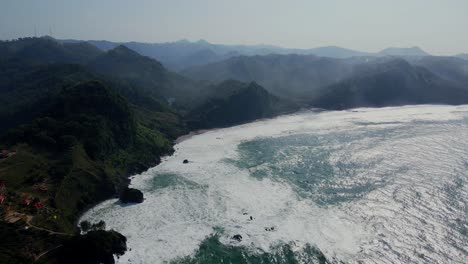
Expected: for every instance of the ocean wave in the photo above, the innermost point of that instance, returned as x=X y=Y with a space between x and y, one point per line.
x=381 y=185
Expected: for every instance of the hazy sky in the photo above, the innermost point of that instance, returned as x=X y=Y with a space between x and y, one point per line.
x=438 y=26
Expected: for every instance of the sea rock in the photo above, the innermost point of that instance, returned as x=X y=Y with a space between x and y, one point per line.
x=237 y=237
x=93 y=247
x=130 y=195
x=185 y=161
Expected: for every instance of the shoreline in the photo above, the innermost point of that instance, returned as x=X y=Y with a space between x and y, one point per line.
x=202 y=131
x=191 y=134
x=130 y=177
x=203 y=143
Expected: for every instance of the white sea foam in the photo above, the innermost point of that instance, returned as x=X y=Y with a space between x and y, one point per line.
x=403 y=221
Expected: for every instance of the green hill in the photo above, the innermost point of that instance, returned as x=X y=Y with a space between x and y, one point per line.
x=234 y=103
x=147 y=75
x=47 y=50
x=388 y=84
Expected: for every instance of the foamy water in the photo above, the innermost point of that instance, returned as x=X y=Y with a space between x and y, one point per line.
x=375 y=185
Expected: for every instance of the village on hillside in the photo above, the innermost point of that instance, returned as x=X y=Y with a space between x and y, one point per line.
x=21 y=205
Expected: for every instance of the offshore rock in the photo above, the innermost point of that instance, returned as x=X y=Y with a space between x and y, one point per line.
x=237 y=238
x=130 y=195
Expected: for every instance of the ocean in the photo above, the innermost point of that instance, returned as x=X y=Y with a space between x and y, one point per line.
x=385 y=185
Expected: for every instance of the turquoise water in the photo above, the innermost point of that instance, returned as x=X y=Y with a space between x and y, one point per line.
x=372 y=186
x=304 y=162
x=213 y=251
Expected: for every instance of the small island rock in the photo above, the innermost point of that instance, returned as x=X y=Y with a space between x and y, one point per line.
x=237 y=237
x=130 y=195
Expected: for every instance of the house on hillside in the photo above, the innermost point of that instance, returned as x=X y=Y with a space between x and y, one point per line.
x=3 y=188
x=27 y=202
x=13 y=217
x=38 y=205
x=5 y=153
x=41 y=187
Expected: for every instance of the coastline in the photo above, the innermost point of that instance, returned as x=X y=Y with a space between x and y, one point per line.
x=157 y=160
x=191 y=134
x=237 y=224
x=202 y=131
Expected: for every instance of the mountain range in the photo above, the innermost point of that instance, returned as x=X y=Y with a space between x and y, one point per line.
x=183 y=54
x=305 y=78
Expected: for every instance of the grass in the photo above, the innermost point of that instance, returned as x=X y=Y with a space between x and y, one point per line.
x=22 y=169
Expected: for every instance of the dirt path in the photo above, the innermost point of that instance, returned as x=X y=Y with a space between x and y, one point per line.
x=47 y=252
x=28 y=223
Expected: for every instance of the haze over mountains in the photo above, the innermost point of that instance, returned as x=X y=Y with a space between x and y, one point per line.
x=300 y=75
x=291 y=74
x=306 y=78
x=183 y=54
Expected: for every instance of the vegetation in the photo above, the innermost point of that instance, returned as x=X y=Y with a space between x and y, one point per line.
x=47 y=50
x=146 y=76
x=86 y=226
x=94 y=247
x=391 y=83
x=85 y=143
x=345 y=83
x=22 y=246
x=77 y=131
x=237 y=103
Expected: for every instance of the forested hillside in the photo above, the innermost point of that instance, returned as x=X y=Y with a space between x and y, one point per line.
x=76 y=122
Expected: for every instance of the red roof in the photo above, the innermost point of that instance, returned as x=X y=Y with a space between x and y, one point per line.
x=39 y=205
x=5 y=152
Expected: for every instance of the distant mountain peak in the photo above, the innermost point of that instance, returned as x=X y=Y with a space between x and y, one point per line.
x=462 y=56
x=124 y=50
x=398 y=51
x=48 y=37
x=336 y=52
x=183 y=41
x=123 y=53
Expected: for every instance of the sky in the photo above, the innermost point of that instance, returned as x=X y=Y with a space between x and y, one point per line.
x=440 y=27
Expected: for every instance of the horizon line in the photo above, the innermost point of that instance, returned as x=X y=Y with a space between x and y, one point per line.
x=202 y=40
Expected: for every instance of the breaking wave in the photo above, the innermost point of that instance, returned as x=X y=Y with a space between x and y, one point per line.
x=374 y=185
